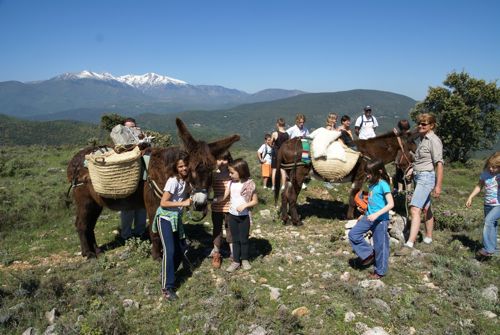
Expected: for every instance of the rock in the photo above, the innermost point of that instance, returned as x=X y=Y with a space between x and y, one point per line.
x=326 y=275
x=51 y=316
x=397 y=227
x=256 y=231
x=345 y=276
x=349 y=316
x=361 y=327
x=301 y=311
x=30 y=331
x=274 y=293
x=489 y=314
x=350 y=224
x=415 y=253
x=51 y=330
x=54 y=170
x=262 y=280
x=128 y=303
x=375 y=284
x=265 y=213
x=376 y=331
x=257 y=330
x=381 y=305
x=490 y=293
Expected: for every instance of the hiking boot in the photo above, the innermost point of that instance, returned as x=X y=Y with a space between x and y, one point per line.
x=246 y=265
x=483 y=254
x=169 y=294
x=233 y=267
x=404 y=251
x=216 y=260
x=374 y=276
x=368 y=260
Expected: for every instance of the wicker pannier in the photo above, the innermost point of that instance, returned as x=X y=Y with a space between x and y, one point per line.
x=115 y=175
x=335 y=169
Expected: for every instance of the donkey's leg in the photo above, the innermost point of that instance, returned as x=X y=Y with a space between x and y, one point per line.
x=87 y=212
x=357 y=183
x=352 y=204
x=151 y=203
x=284 y=203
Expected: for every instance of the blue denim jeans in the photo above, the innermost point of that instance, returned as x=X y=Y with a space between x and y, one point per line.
x=425 y=182
x=135 y=216
x=380 y=242
x=491 y=217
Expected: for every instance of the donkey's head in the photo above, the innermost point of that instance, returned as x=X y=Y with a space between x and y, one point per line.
x=202 y=162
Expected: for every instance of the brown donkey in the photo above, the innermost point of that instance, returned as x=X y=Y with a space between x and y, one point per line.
x=201 y=162
x=387 y=147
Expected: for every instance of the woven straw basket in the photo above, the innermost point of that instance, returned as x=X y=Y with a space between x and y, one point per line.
x=335 y=169
x=115 y=175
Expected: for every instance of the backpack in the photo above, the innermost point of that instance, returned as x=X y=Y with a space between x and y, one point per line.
x=361 y=201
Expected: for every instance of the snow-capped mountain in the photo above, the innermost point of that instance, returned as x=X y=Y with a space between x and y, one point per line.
x=85 y=75
x=139 y=81
x=149 y=79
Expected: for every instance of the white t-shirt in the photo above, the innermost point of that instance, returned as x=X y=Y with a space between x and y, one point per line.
x=296 y=132
x=177 y=188
x=265 y=152
x=366 y=126
x=236 y=199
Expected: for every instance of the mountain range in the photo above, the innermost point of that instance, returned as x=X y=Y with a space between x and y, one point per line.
x=87 y=95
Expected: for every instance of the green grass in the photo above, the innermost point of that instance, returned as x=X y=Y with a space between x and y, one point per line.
x=40 y=269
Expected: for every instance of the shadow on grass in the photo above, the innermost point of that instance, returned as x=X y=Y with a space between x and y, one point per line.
x=324 y=209
x=200 y=245
x=466 y=241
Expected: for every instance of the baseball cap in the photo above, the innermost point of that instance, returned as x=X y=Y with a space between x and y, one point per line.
x=368 y=108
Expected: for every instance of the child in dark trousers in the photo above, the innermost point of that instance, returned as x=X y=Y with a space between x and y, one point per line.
x=241 y=191
x=220 y=209
x=376 y=219
x=168 y=223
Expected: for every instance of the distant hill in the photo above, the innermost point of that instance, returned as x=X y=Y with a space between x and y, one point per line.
x=61 y=96
x=252 y=121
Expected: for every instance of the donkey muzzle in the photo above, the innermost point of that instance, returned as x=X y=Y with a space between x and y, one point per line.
x=199 y=200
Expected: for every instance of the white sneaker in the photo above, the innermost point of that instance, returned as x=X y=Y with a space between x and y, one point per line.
x=283 y=187
x=427 y=240
x=246 y=265
x=233 y=267
x=264 y=187
x=272 y=188
x=304 y=186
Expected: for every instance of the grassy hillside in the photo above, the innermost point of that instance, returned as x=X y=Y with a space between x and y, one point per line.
x=15 y=131
x=441 y=290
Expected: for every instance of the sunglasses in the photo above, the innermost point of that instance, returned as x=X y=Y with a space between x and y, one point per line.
x=423 y=124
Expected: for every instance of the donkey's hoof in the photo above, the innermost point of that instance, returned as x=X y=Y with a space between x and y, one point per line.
x=297 y=224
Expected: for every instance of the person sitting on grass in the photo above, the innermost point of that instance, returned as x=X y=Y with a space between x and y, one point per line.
x=490 y=180
x=376 y=219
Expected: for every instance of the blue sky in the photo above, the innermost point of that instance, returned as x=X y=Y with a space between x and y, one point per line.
x=315 y=46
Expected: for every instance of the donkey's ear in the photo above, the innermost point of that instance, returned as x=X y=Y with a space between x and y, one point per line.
x=185 y=135
x=218 y=147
